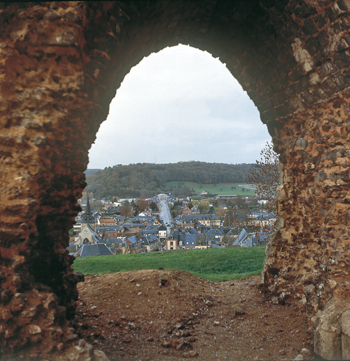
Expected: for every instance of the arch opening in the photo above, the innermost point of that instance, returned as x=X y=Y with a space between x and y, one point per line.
x=179 y=104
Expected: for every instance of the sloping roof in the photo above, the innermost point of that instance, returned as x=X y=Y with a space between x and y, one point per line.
x=175 y=235
x=230 y=232
x=142 y=218
x=135 y=225
x=133 y=239
x=149 y=231
x=106 y=229
x=215 y=232
x=149 y=239
x=193 y=231
x=97 y=238
x=241 y=238
x=72 y=248
x=88 y=250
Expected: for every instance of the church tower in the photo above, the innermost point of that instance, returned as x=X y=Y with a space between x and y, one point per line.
x=88 y=218
x=88 y=233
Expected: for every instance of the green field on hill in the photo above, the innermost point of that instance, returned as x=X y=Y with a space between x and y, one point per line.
x=220 y=188
x=214 y=264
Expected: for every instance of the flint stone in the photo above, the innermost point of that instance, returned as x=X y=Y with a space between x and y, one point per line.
x=321 y=176
x=34 y=329
x=190 y=354
x=274 y=300
x=309 y=290
x=79 y=353
x=299 y=357
x=100 y=356
x=280 y=193
x=302 y=143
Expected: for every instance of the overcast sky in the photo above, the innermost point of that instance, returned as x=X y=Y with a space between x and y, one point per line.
x=180 y=104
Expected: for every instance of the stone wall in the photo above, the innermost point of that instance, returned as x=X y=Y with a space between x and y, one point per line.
x=308 y=257
x=61 y=64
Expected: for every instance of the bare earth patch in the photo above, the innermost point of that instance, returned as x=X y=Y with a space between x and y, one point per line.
x=173 y=315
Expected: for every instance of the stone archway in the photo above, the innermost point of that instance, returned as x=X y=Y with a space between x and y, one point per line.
x=61 y=64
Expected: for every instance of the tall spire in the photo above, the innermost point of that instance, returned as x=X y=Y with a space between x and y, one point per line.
x=88 y=217
x=88 y=210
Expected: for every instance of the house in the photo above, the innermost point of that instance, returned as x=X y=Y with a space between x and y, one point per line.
x=257 y=240
x=150 y=243
x=133 y=244
x=186 y=210
x=107 y=232
x=162 y=232
x=184 y=221
x=195 y=210
x=115 y=244
x=133 y=227
x=242 y=237
x=215 y=235
x=175 y=235
x=190 y=240
x=170 y=244
x=191 y=220
x=132 y=241
x=150 y=229
x=113 y=210
x=142 y=219
x=209 y=220
x=262 y=219
x=110 y=221
x=225 y=196
x=110 y=231
x=120 y=219
x=193 y=231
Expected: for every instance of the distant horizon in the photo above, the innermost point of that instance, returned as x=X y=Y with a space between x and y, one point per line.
x=187 y=161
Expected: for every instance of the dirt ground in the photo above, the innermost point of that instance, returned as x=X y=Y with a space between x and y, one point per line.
x=173 y=315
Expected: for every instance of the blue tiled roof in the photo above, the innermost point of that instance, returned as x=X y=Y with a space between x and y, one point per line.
x=190 y=239
x=133 y=239
x=88 y=250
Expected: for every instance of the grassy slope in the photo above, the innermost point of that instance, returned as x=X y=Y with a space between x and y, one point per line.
x=212 y=264
x=220 y=188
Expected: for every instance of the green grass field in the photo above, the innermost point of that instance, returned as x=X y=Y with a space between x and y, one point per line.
x=220 y=188
x=213 y=264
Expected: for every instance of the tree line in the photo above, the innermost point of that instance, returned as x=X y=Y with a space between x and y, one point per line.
x=147 y=179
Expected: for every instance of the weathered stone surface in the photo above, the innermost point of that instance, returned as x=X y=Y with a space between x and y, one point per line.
x=345 y=337
x=331 y=331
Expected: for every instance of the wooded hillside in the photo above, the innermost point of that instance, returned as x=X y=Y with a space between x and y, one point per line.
x=146 y=179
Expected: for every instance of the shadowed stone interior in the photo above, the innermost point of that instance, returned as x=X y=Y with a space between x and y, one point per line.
x=60 y=66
